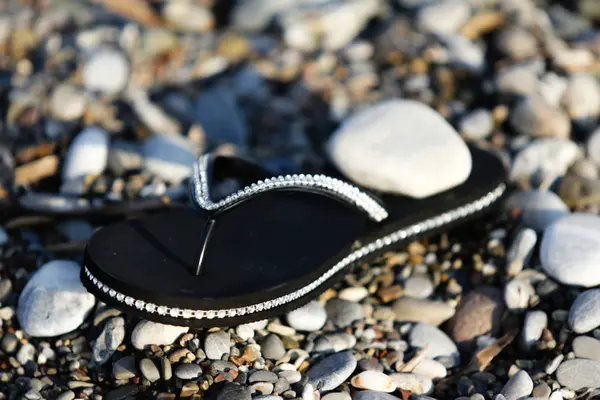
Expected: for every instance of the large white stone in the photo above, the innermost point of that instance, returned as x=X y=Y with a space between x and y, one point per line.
x=87 y=155
x=54 y=301
x=403 y=147
x=570 y=250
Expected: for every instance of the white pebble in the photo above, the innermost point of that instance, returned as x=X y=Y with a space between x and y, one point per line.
x=107 y=71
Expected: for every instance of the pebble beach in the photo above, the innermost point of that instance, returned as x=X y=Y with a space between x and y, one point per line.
x=106 y=104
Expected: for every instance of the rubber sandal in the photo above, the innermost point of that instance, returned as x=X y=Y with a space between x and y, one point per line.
x=268 y=248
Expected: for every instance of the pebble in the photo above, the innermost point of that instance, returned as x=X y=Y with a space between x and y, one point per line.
x=372 y=395
x=153 y=333
x=415 y=383
x=124 y=368
x=337 y=396
x=168 y=157
x=332 y=371
x=68 y=395
x=517 y=42
x=149 y=370
x=546 y=158
x=584 y=314
x=586 y=347
x=478 y=313
x=291 y=376
x=188 y=371
x=468 y=55
x=373 y=380
x=343 y=312
x=477 y=125
x=517 y=387
x=335 y=342
x=110 y=338
x=26 y=353
x=582 y=97
x=443 y=17
x=418 y=286
x=272 y=347
x=9 y=343
x=67 y=102
x=54 y=301
x=384 y=135
x=520 y=251
x=220 y=117
x=309 y=318
x=533 y=327
x=187 y=16
x=579 y=373
x=533 y=116
x=124 y=156
x=593 y=146
x=166 y=370
x=517 y=294
x=353 y=293
x=539 y=209
x=570 y=250
x=263 y=376
x=516 y=80
x=232 y=391
x=431 y=369
x=217 y=344
x=87 y=154
x=431 y=312
x=439 y=343
x=106 y=71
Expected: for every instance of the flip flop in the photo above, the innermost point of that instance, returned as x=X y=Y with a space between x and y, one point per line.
x=268 y=248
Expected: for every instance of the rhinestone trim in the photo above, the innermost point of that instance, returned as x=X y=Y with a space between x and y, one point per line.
x=429 y=224
x=339 y=188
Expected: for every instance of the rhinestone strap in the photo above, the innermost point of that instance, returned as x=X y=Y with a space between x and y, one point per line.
x=402 y=234
x=339 y=188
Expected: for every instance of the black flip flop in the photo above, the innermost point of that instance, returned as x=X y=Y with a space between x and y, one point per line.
x=268 y=248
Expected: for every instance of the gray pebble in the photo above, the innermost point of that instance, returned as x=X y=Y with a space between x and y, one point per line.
x=309 y=318
x=124 y=368
x=520 y=250
x=263 y=376
x=586 y=347
x=149 y=370
x=26 y=353
x=516 y=80
x=166 y=370
x=539 y=208
x=370 y=364
x=5 y=284
x=476 y=125
x=110 y=338
x=188 y=371
x=332 y=371
x=343 y=312
x=291 y=376
x=371 y=395
x=272 y=347
x=519 y=386
x=541 y=390
x=584 y=314
x=9 y=343
x=217 y=344
x=553 y=364
x=579 y=373
x=418 y=286
x=68 y=395
x=516 y=42
x=281 y=385
x=439 y=343
x=533 y=327
x=534 y=117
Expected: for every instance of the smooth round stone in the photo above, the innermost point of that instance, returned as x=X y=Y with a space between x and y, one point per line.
x=582 y=96
x=579 y=373
x=110 y=338
x=87 y=154
x=370 y=364
x=9 y=343
x=124 y=368
x=332 y=371
x=124 y=156
x=335 y=342
x=478 y=313
x=431 y=369
x=106 y=71
x=477 y=125
x=533 y=116
x=586 y=347
x=584 y=314
x=353 y=293
x=372 y=395
x=263 y=376
x=373 y=380
x=547 y=158
x=217 y=344
x=516 y=80
x=187 y=16
x=400 y=135
x=337 y=396
x=418 y=286
x=148 y=333
x=552 y=87
x=570 y=250
x=439 y=343
x=593 y=147
x=415 y=383
x=244 y=331
x=309 y=318
x=54 y=301
x=26 y=353
x=342 y=23
x=517 y=294
x=539 y=209
x=291 y=376
x=188 y=371
x=517 y=42
x=168 y=157
x=431 y=312
x=443 y=17
x=67 y=103
x=533 y=327
x=466 y=54
x=149 y=370
x=343 y=312
x=520 y=251
x=5 y=288
x=518 y=387
x=272 y=347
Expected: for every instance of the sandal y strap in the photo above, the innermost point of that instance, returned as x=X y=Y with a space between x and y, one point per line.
x=219 y=166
